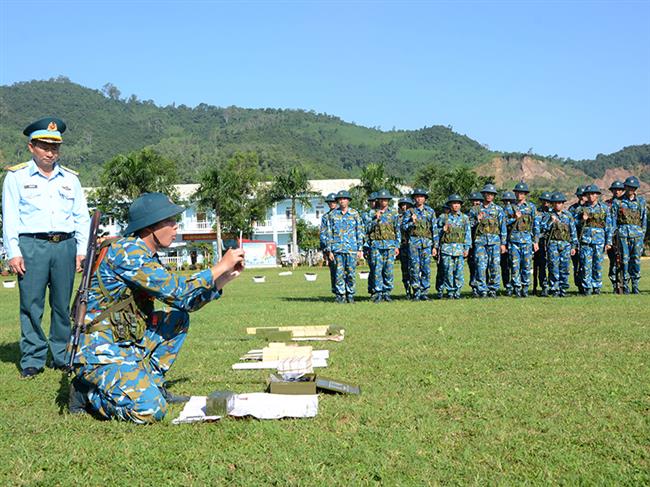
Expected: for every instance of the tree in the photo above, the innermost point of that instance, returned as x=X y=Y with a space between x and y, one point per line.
x=441 y=184
x=293 y=185
x=124 y=178
x=111 y=91
x=232 y=190
x=308 y=235
x=373 y=178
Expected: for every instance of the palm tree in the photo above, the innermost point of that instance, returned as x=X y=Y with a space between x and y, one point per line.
x=294 y=186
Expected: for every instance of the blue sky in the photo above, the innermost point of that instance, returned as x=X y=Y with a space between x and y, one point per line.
x=566 y=78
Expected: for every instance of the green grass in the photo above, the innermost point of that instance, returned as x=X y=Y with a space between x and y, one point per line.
x=465 y=392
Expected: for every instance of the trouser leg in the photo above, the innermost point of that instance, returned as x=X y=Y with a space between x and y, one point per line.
x=414 y=268
x=459 y=273
x=565 y=265
x=163 y=339
x=388 y=270
x=506 y=264
x=553 y=259
x=493 y=267
x=350 y=274
x=62 y=270
x=597 y=266
x=514 y=256
x=481 y=261
x=425 y=270
x=634 y=265
x=586 y=262
x=625 y=259
x=332 y=267
x=339 y=284
x=32 y=286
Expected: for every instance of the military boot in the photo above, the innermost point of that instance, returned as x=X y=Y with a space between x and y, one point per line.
x=78 y=396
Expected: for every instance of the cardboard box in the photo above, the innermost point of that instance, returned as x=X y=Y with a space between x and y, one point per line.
x=311 y=385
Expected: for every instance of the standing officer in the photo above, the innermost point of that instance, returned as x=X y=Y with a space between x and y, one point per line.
x=539 y=259
x=575 y=210
x=419 y=223
x=508 y=199
x=490 y=226
x=384 y=237
x=595 y=237
x=367 y=217
x=128 y=348
x=562 y=244
x=455 y=237
x=631 y=220
x=617 y=188
x=46 y=225
x=403 y=205
x=345 y=245
x=475 y=198
x=330 y=199
x=522 y=241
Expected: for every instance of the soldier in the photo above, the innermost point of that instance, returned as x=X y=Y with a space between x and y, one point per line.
x=127 y=347
x=574 y=209
x=507 y=198
x=562 y=243
x=330 y=199
x=489 y=223
x=367 y=217
x=539 y=259
x=384 y=236
x=522 y=240
x=345 y=245
x=631 y=220
x=403 y=205
x=595 y=236
x=455 y=237
x=419 y=223
x=45 y=233
x=475 y=198
x=618 y=190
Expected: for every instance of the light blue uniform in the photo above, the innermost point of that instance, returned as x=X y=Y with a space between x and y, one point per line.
x=384 y=236
x=630 y=219
x=422 y=239
x=594 y=234
x=562 y=238
x=453 y=244
x=490 y=234
x=520 y=244
x=344 y=239
x=35 y=204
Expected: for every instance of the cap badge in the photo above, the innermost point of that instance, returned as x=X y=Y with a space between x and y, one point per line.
x=52 y=126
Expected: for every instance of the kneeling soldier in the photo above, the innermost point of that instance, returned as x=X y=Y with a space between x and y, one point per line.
x=455 y=239
x=128 y=347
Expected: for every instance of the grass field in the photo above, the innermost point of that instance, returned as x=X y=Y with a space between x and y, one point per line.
x=499 y=391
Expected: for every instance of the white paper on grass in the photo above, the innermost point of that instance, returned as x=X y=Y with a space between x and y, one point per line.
x=259 y=405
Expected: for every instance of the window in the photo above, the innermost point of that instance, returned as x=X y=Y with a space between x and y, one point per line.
x=201 y=216
x=288 y=213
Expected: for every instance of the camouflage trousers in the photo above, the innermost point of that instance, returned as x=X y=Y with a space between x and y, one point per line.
x=632 y=250
x=404 y=264
x=487 y=259
x=128 y=388
x=521 y=264
x=383 y=261
x=346 y=269
x=559 y=262
x=591 y=266
x=452 y=268
x=420 y=269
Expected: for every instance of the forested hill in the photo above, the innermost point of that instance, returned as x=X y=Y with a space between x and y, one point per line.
x=101 y=124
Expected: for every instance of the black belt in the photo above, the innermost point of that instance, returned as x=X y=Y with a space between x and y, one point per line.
x=49 y=236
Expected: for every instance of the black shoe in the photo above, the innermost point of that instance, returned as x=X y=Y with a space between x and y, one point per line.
x=492 y=294
x=423 y=297
x=524 y=293
x=596 y=291
x=339 y=299
x=172 y=398
x=482 y=295
x=351 y=299
x=78 y=397
x=474 y=293
x=455 y=296
x=30 y=372
x=376 y=298
x=509 y=292
x=561 y=294
x=387 y=298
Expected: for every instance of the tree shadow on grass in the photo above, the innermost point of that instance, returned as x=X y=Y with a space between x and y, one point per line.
x=10 y=353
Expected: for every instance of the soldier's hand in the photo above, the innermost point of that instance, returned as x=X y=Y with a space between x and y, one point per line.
x=330 y=255
x=465 y=253
x=17 y=265
x=573 y=252
x=518 y=214
x=414 y=217
x=535 y=247
x=554 y=218
x=396 y=252
x=228 y=268
x=359 y=254
x=80 y=259
x=434 y=252
x=445 y=228
x=480 y=216
x=503 y=249
x=585 y=216
x=607 y=247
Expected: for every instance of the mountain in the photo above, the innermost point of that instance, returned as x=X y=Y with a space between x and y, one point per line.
x=101 y=125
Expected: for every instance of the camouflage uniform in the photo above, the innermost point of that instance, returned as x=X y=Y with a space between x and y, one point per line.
x=595 y=233
x=422 y=238
x=345 y=239
x=490 y=234
x=125 y=354
x=520 y=245
x=384 y=236
x=324 y=229
x=631 y=220
x=453 y=244
x=562 y=238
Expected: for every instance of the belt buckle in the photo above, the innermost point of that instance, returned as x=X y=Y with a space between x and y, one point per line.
x=55 y=238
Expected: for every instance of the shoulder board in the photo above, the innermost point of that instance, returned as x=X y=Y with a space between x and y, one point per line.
x=17 y=167
x=70 y=170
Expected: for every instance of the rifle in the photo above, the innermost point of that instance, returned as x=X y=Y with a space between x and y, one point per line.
x=618 y=252
x=78 y=313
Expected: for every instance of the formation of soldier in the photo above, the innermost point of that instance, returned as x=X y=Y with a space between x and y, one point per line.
x=514 y=245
